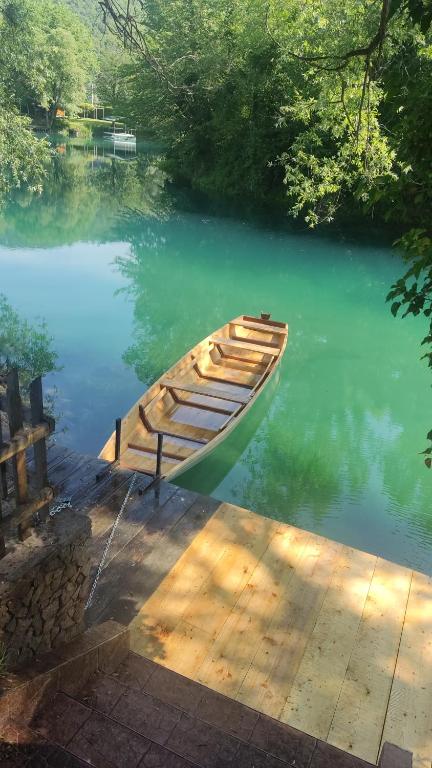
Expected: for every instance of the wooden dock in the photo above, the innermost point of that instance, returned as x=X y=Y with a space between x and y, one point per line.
x=333 y=641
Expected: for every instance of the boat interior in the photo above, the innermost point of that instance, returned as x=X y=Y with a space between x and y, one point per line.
x=201 y=396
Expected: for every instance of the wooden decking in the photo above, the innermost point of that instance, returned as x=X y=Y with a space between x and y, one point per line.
x=333 y=641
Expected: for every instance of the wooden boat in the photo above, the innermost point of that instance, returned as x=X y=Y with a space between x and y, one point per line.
x=199 y=401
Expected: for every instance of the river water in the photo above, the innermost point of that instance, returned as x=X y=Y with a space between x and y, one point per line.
x=128 y=279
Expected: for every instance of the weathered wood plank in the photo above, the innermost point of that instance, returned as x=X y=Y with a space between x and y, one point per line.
x=14 y=411
x=212 y=605
x=201 y=389
x=262 y=327
x=409 y=717
x=270 y=676
x=241 y=345
x=361 y=709
x=317 y=685
x=23 y=439
x=232 y=653
x=40 y=448
x=143 y=561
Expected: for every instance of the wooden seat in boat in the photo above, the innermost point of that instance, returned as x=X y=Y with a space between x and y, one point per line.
x=261 y=327
x=241 y=344
x=199 y=389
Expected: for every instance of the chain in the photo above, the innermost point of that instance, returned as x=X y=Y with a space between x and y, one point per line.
x=63 y=504
x=111 y=536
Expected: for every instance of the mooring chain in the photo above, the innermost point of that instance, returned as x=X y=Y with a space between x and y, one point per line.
x=63 y=504
x=111 y=536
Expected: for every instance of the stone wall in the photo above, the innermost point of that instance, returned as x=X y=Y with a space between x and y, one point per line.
x=44 y=587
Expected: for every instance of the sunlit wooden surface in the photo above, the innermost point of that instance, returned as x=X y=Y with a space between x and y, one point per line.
x=333 y=641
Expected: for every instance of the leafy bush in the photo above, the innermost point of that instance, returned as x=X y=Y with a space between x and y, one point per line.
x=25 y=346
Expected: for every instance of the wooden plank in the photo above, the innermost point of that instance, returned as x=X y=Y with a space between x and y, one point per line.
x=23 y=439
x=240 y=345
x=174 y=595
x=182 y=648
x=262 y=342
x=40 y=448
x=14 y=410
x=160 y=628
x=262 y=327
x=199 y=389
x=269 y=678
x=170 y=450
x=218 y=595
x=3 y=473
x=409 y=716
x=360 y=712
x=144 y=562
x=317 y=685
x=200 y=405
x=232 y=653
x=137 y=461
x=183 y=431
x=264 y=321
x=222 y=375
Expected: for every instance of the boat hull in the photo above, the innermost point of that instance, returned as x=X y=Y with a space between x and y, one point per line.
x=200 y=400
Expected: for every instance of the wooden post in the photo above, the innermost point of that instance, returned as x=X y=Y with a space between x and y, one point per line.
x=3 y=475
x=14 y=410
x=117 y=439
x=159 y=454
x=40 y=449
x=3 y=472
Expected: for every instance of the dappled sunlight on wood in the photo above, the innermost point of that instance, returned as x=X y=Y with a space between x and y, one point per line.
x=299 y=627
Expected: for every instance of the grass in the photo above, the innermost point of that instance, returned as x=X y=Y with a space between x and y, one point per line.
x=86 y=127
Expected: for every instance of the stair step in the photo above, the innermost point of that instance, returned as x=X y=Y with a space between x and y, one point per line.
x=145 y=714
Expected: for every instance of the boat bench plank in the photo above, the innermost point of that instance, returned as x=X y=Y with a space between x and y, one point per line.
x=199 y=389
x=240 y=345
x=259 y=327
x=170 y=450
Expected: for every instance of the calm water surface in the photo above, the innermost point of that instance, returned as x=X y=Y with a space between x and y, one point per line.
x=128 y=282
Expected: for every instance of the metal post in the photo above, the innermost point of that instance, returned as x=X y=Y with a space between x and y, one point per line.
x=117 y=439
x=159 y=454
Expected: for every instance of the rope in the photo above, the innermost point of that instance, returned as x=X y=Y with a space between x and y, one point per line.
x=111 y=536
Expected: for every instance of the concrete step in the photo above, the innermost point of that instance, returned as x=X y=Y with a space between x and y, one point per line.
x=144 y=715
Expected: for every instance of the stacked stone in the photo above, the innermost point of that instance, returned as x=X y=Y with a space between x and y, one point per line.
x=44 y=588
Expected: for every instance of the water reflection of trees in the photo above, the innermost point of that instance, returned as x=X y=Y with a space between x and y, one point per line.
x=327 y=444
x=82 y=196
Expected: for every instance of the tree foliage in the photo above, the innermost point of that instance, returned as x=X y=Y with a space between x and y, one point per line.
x=323 y=105
x=46 y=57
x=24 y=346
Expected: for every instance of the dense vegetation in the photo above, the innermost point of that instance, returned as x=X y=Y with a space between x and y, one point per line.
x=321 y=108
x=324 y=107
x=46 y=56
x=24 y=346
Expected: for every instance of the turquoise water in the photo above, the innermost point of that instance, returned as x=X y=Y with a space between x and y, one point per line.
x=127 y=282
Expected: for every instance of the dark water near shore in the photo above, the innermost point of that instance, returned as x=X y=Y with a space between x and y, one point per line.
x=128 y=282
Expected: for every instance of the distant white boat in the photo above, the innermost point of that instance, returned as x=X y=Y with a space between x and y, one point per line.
x=117 y=136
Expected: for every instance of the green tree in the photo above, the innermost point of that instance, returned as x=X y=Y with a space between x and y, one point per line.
x=47 y=56
x=25 y=346
x=23 y=157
